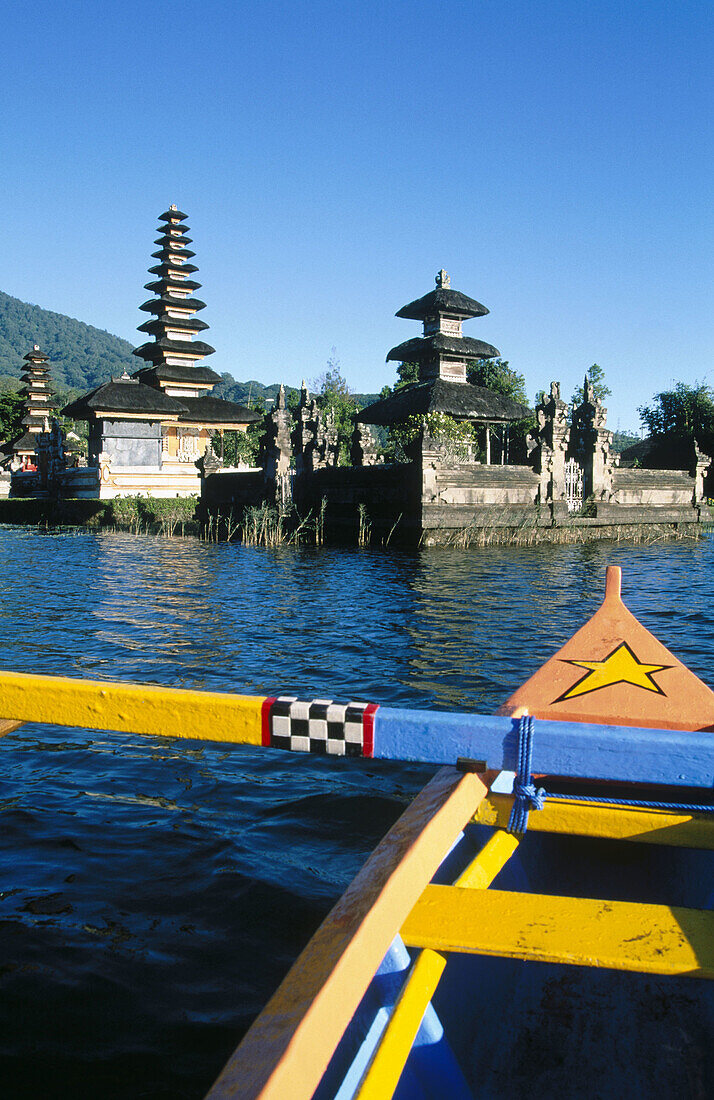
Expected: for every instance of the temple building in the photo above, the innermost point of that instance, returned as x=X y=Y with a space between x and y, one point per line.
x=147 y=431
x=442 y=354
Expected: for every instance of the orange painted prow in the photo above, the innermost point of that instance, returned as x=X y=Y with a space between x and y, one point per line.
x=614 y=671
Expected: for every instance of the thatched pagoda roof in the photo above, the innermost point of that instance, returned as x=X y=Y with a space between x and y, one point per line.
x=162 y=305
x=166 y=268
x=174 y=238
x=442 y=300
x=124 y=395
x=24 y=444
x=457 y=399
x=157 y=326
x=213 y=410
x=170 y=282
x=168 y=215
x=169 y=372
x=155 y=352
x=424 y=347
x=165 y=252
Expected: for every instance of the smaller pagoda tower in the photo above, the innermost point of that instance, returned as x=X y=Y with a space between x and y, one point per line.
x=442 y=355
x=443 y=351
x=38 y=405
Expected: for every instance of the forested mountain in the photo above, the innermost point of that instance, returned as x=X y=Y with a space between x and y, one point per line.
x=81 y=356
x=251 y=393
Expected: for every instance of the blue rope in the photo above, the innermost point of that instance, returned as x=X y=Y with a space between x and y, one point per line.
x=526 y=796
x=684 y=807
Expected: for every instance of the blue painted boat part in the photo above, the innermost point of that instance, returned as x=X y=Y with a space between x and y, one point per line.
x=618 y=753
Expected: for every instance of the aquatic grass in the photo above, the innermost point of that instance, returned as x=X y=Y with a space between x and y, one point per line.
x=364 y=534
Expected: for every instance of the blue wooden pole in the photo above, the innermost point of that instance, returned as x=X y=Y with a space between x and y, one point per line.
x=619 y=753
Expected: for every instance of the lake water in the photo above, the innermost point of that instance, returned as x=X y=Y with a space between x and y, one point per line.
x=153 y=893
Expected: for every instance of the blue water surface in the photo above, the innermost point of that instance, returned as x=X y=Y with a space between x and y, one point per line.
x=154 y=892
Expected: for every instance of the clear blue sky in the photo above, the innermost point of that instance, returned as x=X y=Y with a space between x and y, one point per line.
x=555 y=158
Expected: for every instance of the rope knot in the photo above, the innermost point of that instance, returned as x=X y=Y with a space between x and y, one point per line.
x=528 y=792
x=526 y=796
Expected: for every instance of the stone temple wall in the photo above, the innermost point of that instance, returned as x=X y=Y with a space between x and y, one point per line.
x=468 y=494
x=572 y=479
x=385 y=496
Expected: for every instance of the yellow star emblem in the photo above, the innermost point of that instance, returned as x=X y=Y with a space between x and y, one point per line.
x=619 y=667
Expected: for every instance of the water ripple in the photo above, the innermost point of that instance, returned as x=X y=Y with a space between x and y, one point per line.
x=153 y=893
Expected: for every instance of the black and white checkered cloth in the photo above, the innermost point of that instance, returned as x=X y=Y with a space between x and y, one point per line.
x=320 y=726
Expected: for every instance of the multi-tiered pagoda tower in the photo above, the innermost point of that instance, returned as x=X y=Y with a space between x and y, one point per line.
x=38 y=404
x=173 y=353
x=173 y=356
x=146 y=432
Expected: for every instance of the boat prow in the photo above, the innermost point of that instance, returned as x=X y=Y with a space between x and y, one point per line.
x=614 y=671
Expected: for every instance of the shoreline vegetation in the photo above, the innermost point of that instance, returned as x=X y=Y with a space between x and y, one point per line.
x=264 y=525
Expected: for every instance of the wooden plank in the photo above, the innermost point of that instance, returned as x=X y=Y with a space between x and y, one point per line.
x=617 y=753
x=622 y=754
x=653 y=939
x=494 y=855
x=385 y=1069
x=628 y=754
x=286 y=1051
x=644 y=826
x=131 y=708
x=8 y=727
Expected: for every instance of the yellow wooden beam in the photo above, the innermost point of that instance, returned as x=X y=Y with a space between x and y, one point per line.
x=385 y=1069
x=654 y=939
x=482 y=870
x=131 y=708
x=646 y=826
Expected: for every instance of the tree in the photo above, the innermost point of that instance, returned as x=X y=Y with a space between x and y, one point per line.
x=407 y=375
x=674 y=420
x=242 y=446
x=497 y=375
x=336 y=402
x=596 y=377
x=621 y=440
x=12 y=408
x=685 y=410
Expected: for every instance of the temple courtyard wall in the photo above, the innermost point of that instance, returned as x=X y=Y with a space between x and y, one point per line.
x=464 y=503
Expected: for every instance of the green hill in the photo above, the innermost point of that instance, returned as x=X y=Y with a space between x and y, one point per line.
x=81 y=356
